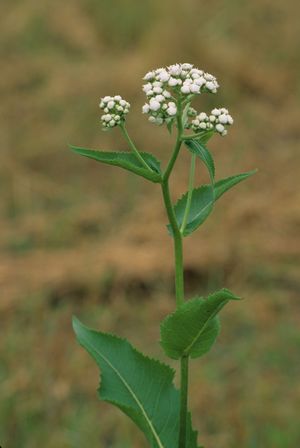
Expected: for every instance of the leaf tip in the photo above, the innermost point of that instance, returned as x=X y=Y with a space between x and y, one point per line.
x=76 y=325
x=72 y=148
x=230 y=295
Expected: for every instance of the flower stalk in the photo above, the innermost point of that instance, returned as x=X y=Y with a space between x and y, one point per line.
x=133 y=147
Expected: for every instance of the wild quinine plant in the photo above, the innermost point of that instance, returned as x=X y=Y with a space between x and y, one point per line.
x=140 y=386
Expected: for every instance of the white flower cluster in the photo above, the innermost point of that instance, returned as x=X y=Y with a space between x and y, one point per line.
x=217 y=120
x=115 y=109
x=165 y=84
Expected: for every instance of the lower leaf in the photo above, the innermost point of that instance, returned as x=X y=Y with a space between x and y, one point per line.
x=141 y=387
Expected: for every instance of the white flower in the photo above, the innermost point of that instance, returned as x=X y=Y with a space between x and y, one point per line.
x=200 y=81
x=154 y=105
x=166 y=94
x=223 y=118
x=174 y=70
x=185 y=88
x=148 y=76
x=172 y=111
x=160 y=98
x=115 y=109
x=147 y=87
x=195 y=88
x=202 y=116
x=210 y=85
x=220 y=128
x=146 y=108
x=217 y=120
x=164 y=76
x=187 y=66
x=172 y=82
x=216 y=112
x=175 y=81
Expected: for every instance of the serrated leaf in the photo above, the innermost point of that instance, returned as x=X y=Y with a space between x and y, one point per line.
x=141 y=387
x=126 y=160
x=201 y=206
x=224 y=185
x=192 y=329
x=197 y=147
x=203 y=201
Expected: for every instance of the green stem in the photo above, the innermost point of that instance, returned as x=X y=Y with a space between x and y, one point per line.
x=177 y=237
x=190 y=194
x=179 y=278
x=177 y=144
x=184 y=381
x=133 y=147
x=192 y=136
x=197 y=135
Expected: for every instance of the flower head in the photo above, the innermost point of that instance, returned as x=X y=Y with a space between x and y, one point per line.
x=165 y=85
x=217 y=121
x=115 y=109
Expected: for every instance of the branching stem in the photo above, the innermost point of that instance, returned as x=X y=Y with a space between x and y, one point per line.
x=133 y=148
x=190 y=194
x=179 y=278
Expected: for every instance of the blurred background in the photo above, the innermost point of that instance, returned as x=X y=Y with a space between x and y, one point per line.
x=81 y=238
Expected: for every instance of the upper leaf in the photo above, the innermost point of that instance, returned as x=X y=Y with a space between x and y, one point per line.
x=197 y=147
x=225 y=184
x=203 y=201
x=126 y=160
x=201 y=206
x=141 y=387
x=192 y=329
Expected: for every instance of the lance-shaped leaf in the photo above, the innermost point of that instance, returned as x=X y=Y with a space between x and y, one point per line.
x=127 y=160
x=201 y=206
x=193 y=328
x=224 y=185
x=141 y=387
x=197 y=147
x=203 y=201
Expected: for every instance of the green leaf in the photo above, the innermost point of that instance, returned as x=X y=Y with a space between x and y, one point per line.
x=126 y=160
x=197 y=147
x=193 y=328
x=225 y=184
x=203 y=201
x=201 y=206
x=207 y=135
x=170 y=123
x=141 y=387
